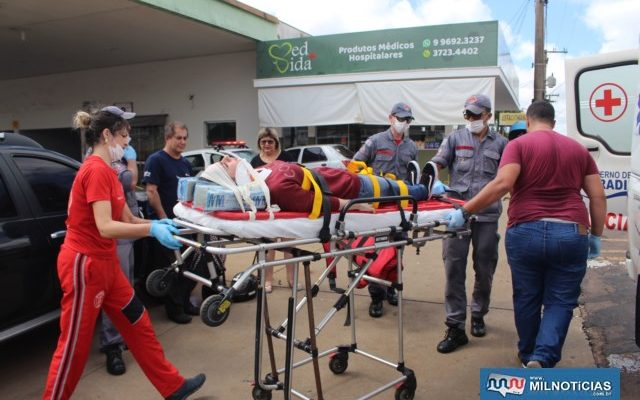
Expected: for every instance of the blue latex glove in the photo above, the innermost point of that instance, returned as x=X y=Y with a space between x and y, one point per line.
x=594 y=246
x=439 y=188
x=164 y=233
x=167 y=221
x=130 y=153
x=455 y=219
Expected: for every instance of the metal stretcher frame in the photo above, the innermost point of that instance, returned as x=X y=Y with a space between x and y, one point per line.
x=215 y=309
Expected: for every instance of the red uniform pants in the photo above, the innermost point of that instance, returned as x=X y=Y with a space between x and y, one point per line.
x=90 y=284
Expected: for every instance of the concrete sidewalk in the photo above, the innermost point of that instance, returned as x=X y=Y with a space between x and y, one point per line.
x=226 y=353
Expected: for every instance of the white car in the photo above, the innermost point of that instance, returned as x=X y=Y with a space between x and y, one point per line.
x=321 y=155
x=202 y=158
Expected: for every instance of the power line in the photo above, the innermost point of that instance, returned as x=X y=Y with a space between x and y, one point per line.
x=520 y=16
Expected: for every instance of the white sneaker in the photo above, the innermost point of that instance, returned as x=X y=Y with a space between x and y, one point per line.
x=413 y=172
x=429 y=176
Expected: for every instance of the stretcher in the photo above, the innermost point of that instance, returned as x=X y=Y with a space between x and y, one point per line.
x=390 y=227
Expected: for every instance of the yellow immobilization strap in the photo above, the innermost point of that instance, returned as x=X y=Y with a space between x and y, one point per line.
x=404 y=191
x=307 y=182
x=376 y=189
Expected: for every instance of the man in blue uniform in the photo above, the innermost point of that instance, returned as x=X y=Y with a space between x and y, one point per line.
x=472 y=155
x=389 y=152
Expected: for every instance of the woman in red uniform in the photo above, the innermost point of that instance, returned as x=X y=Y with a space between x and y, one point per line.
x=90 y=273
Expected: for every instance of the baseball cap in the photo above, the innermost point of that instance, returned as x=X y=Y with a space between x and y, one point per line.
x=119 y=112
x=477 y=104
x=519 y=126
x=402 y=110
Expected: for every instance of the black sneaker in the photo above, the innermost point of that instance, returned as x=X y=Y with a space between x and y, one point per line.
x=523 y=361
x=189 y=387
x=478 y=329
x=413 y=172
x=429 y=176
x=190 y=309
x=453 y=339
x=375 y=309
x=115 y=363
x=176 y=313
x=392 y=296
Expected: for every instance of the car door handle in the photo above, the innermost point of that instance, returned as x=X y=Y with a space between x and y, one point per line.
x=593 y=149
x=58 y=234
x=16 y=244
x=323 y=164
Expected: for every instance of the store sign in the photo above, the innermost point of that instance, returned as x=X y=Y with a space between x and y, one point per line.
x=510 y=118
x=441 y=46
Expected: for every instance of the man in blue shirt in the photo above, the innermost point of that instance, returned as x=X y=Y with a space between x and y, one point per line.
x=161 y=172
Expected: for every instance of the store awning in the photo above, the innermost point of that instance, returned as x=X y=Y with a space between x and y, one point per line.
x=434 y=102
x=436 y=96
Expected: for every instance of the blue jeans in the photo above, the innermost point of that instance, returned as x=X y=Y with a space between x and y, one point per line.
x=389 y=187
x=548 y=261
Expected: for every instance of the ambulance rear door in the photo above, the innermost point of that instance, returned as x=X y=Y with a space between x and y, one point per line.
x=600 y=110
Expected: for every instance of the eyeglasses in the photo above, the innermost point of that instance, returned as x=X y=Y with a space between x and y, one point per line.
x=468 y=115
x=122 y=132
x=404 y=119
x=267 y=141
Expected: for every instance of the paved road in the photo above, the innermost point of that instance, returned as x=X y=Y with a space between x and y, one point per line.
x=603 y=324
x=608 y=306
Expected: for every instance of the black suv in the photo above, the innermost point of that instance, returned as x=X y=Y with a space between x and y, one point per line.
x=34 y=190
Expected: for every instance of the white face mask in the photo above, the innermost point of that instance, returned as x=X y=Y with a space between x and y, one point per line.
x=401 y=127
x=475 y=127
x=116 y=152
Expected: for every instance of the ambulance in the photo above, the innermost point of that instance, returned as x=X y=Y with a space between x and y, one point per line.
x=602 y=112
x=633 y=264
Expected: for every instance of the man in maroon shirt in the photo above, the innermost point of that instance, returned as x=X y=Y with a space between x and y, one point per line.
x=548 y=239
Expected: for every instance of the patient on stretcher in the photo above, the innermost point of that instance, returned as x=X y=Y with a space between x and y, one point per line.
x=295 y=188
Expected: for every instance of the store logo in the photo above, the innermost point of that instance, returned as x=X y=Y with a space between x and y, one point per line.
x=504 y=384
x=287 y=57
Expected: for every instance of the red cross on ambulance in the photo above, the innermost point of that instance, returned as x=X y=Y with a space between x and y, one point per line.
x=608 y=102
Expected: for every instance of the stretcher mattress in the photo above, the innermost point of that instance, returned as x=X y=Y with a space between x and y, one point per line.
x=297 y=225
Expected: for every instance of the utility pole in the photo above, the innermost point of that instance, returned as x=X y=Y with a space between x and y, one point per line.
x=540 y=56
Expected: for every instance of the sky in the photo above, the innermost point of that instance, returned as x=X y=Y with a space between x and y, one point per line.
x=581 y=27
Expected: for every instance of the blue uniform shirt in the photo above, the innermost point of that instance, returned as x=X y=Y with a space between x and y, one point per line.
x=472 y=164
x=381 y=153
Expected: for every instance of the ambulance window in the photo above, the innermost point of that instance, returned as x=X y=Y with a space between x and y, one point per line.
x=605 y=107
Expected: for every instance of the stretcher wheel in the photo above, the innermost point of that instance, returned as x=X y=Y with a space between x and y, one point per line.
x=159 y=283
x=210 y=310
x=404 y=393
x=259 y=393
x=339 y=363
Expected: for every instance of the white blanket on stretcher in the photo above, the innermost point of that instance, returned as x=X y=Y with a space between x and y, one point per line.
x=303 y=227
